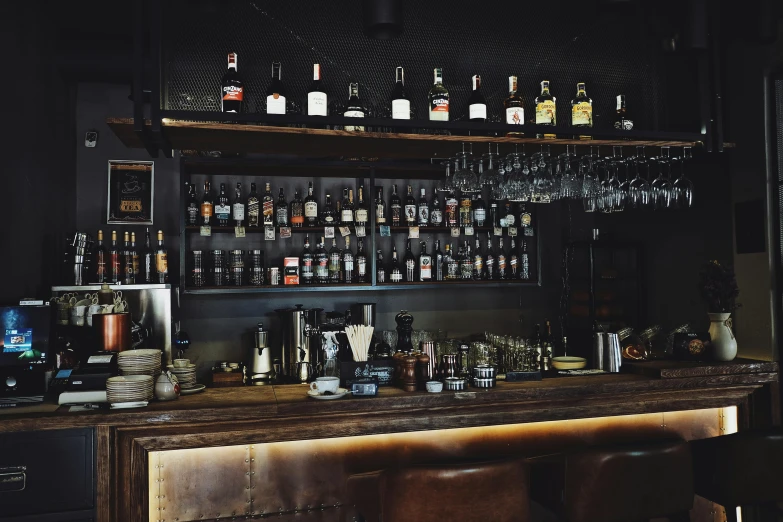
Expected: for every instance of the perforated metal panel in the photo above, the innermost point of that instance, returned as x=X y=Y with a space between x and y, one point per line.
x=561 y=41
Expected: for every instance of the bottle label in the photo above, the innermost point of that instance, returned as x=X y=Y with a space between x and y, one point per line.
x=282 y=216
x=275 y=104
x=379 y=215
x=452 y=270
x=478 y=111
x=410 y=268
x=619 y=103
x=361 y=265
x=316 y=104
x=582 y=114
x=396 y=276
x=193 y=211
x=525 y=219
x=396 y=213
x=436 y=216
x=451 y=211
x=252 y=212
x=239 y=211
x=311 y=209
x=510 y=220
x=623 y=124
x=361 y=215
x=425 y=267
x=478 y=264
x=222 y=211
x=515 y=115
x=401 y=109
x=424 y=215
x=328 y=218
x=297 y=219
x=466 y=270
x=232 y=93
x=347 y=216
x=354 y=114
x=269 y=210
x=439 y=109
x=206 y=209
x=480 y=214
x=161 y=263
x=410 y=213
x=546 y=113
x=348 y=265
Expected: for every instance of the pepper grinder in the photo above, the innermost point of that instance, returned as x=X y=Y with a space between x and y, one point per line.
x=409 y=373
x=422 y=370
x=404 y=330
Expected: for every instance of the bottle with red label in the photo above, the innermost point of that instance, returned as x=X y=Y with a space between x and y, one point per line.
x=233 y=87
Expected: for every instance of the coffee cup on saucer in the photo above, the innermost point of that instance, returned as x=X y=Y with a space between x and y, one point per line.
x=181 y=363
x=325 y=384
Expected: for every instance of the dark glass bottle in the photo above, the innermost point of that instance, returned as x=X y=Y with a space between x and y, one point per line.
x=478 y=263
x=361 y=263
x=524 y=261
x=489 y=260
x=425 y=264
x=436 y=212
x=101 y=257
x=380 y=268
x=437 y=262
x=222 y=207
x=321 y=264
x=296 y=211
x=410 y=264
x=327 y=212
x=502 y=269
x=622 y=121
x=148 y=267
x=347 y=260
x=395 y=205
x=477 y=105
x=311 y=207
x=127 y=261
x=268 y=206
x=306 y=263
x=317 y=100
x=424 y=209
x=452 y=209
x=346 y=212
x=410 y=208
x=335 y=266
x=479 y=211
x=494 y=213
x=513 y=261
x=400 y=103
x=380 y=208
x=395 y=273
x=233 y=87
x=192 y=209
x=354 y=108
x=275 y=93
x=161 y=261
x=361 y=214
x=238 y=209
x=134 y=258
x=281 y=210
x=207 y=205
x=253 y=207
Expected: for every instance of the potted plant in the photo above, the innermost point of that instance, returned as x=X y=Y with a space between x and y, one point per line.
x=718 y=286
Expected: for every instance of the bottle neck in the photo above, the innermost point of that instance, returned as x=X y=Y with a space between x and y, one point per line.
x=316 y=72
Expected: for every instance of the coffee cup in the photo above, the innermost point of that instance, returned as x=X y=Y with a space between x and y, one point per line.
x=325 y=384
x=181 y=363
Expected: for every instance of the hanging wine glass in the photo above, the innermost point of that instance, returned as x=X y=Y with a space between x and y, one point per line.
x=544 y=188
x=661 y=187
x=639 y=190
x=591 y=188
x=465 y=179
x=682 y=189
x=446 y=184
x=491 y=177
x=625 y=186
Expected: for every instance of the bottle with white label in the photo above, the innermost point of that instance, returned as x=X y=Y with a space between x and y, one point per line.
x=238 y=207
x=400 y=103
x=477 y=105
x=311 y=207
x=222 y=208
x=354 y=108
x=317 y=100
x=514 y=104
x=361 y=213
x=439 y=98
x=424 y=209
x=425 y=264
x=275 y=93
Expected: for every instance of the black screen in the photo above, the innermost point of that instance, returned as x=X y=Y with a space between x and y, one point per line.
x=24 y=335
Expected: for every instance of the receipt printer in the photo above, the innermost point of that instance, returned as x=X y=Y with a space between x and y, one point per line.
x=93 y=372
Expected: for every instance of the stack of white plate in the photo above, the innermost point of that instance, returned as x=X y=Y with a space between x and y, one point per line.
x=139 y=362
x=185 y=375
x=129 y=388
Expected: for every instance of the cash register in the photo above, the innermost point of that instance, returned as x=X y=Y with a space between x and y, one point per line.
x=24 y=354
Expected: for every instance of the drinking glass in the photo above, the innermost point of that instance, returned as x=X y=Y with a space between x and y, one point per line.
x=491 y=177
x=465 y=178
x=682 y=188
x=625 y=186
x=516 y=187
x=446 y=184
x=661 y=187
x=639 y=192
x=591 y=188
x=544 y=187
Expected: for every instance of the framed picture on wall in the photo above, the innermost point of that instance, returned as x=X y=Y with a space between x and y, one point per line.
x=131 y=192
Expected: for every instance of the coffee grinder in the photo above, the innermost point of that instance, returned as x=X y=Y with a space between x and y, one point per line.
x=260 y=362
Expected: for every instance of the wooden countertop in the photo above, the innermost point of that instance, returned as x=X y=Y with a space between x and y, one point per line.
x=647 y=387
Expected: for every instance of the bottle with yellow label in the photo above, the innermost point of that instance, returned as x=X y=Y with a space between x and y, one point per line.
x=581 y=108
x=546 y=110
x=161 y=260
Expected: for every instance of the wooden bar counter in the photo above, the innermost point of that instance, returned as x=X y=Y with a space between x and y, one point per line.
x=253 y=451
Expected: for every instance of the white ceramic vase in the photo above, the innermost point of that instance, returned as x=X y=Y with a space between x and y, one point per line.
x=724 y=344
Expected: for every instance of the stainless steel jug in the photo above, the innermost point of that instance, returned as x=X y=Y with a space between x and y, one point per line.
x=301 y=347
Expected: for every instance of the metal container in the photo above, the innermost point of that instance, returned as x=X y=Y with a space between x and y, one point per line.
x=599 y=349
x=454 y=383
x=363 y=314
x=260 y=362
x=484 y=371
x=484 y=383
x=613 y=355
x=114 y=331
x=301 y=345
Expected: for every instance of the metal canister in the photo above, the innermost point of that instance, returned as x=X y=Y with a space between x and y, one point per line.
x=219 y=274
x=613 y=356
x=237 y=267
x=197 y=268
x=599 y=349
x=274 y=276
x=256 y=267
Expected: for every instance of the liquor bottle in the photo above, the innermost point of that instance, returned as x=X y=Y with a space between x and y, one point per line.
x=508 y=212
x=452 y=212
x=253 y=207
x=465 y=210
x=161 y=261
x=296 y=211
x=335 y=266
x=148 y=263
x=361 y=215
x=395 y=204
x=513 y=262
x=400 y=103
x=410 y=208
x=134 y=258
x=525 y=219
x=127 y=261
x=621 y=119
x=424 y=209
x=233 y=87
x=192 y=209
x=281 y=210
x=410 y=264
x=101 y=257
x=524 y=261
x=380 y=268
x=348 y=262
x=494 y=213
x=450 y=266
x=465 y=262
x=546 y=110
x=346 y=214
x=317 y=100
x=436 y=214
x=547 y=343
x=536 y=342
x=489 y=260
x=311 y=207
x=395 y=275
x=222 y=207
x=275 y=93
x=437 y=262
x=354 y=108
x=380 y=208
x=425 y=264
x=479 y=211
x=478 y=262
x=306 y=263
x=268 y=206
x=502 y=270
x=361 y=263
x=477 y=105
x=327 y=212
x=115 y=261
x=321 y=264
x=238 y=207
x=514 y=105
x=581 y=108
x=207 y=207
x=439 y=98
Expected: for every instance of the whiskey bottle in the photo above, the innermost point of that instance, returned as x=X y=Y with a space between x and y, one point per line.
x=536 y=342
x=510 y=219
x=477 y=104
x=222 y=207
x=524 y=261
x=581 y=108
x=361 y=262
x=233 y=87
x=238 y=207
x=253 y=207
x=494 y=213
x=438 y=262
x=465 y=262
x=115 y=261
x=268 y=206
x=316 y=95
x=525 y=220
x=424 y=209
x=148 y=267
x=489 y=260
x=281 y=210
x=514 y=105
x=328 y=214
x=400 y=103
x=436 y=214
x=546 y=110
x=321 y=263
x=547 y=343
x=380 y=208
x=395 y=204
x=335 y=266
x=275 y=93
x=451 y=266
x=395 y=275
x=192 y=209
x=311 y=207
x=621 y=120
x=478 y=262
x=502 y=270
x=127 y=261
x=296 y=211
x=513 y=261
x=306 y=263
x=354 y=108
x=452 y=209
x=161 y=261
x=410 y=264
x=380 y=268
x=479 y=211
x=410 y=208
x=439 y=98
x=348 y=262
x=134 y=258
x=207 y=207
x=465 y=210
x=346 y=214
x=361 y=214
x=425 y=264
x=101 y=257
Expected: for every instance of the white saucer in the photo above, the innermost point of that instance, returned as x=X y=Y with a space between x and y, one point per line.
x=341 y=392
x=124 y=405
x=190 y=391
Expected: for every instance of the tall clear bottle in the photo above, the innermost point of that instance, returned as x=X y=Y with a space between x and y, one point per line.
x=335 y=266
x=348 y=268
x=395 y=273
x=439 y=98
x=524 y=261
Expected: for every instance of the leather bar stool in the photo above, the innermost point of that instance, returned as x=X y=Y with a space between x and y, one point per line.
x=618 y=483
x=742 y=469
x=465 y=492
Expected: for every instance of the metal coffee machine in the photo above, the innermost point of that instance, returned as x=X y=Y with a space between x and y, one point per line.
x=260 y=362
x=301 y=356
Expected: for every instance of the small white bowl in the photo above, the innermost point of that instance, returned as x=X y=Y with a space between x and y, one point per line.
x=434 y=386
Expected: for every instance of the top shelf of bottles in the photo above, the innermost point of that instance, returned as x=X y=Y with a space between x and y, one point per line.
x=287 y=134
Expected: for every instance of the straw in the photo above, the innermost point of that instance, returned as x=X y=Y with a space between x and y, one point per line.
x=359 y=337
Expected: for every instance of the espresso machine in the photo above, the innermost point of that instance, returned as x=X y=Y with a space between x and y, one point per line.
x=301 y=355
x=260 y=363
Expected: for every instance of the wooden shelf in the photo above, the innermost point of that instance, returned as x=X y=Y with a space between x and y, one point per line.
x=245 y=138
x=356 y=287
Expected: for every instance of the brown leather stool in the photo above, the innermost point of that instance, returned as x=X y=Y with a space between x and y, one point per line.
x=465 y=492
x=742 y=469
x=620 y=483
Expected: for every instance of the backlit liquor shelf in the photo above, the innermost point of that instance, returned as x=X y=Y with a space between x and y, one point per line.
x=356 y=287
x=320 y=229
